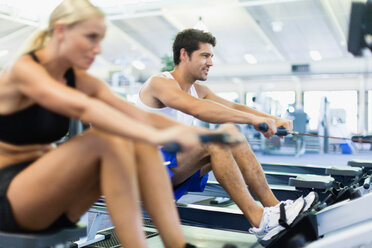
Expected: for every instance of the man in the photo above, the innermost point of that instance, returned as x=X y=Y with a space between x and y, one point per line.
x=178 y=95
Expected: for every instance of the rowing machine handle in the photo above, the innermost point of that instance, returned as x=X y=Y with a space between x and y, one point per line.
x=362 y=138
x=222 y=138
x=279 y=131
x=367 y=183
x=172 y=147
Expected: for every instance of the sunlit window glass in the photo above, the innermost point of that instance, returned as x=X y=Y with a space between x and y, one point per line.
x=343 y=107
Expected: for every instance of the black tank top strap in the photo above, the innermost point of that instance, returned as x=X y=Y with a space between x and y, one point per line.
x=33 y=55
x=70 y=77
x=42 y=126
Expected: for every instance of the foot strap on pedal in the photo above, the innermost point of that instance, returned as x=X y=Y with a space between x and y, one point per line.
x=283 y=217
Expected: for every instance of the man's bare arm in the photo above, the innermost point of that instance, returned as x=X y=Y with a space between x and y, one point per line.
x=170 y=94
x=101 y=90
x=208 y=94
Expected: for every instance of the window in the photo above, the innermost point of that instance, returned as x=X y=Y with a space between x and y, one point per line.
x=249 y=99
x=343 y=107
x=277 y=102
x=370 y=111
x=230 y=96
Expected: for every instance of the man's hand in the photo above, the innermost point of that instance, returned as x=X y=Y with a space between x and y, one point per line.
x=271 y=124
x=287 y=124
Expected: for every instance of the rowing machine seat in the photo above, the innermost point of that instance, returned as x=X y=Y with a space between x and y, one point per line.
x=42 y=240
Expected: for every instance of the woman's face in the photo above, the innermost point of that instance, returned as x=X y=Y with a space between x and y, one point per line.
x=82 y=42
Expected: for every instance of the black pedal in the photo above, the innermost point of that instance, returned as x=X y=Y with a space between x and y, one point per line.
x=229 y=246
x=190 y=246
x=347 y=193
x=302 y=230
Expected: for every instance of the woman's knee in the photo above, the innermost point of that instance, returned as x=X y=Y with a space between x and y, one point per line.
x=102 y=142
x=141 y=148
x=145 y=152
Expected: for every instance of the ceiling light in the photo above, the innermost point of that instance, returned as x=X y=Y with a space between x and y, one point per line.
x=315 y=55
x=200 y=25
x=277 y=26
x=138 y=65
x=250 y=58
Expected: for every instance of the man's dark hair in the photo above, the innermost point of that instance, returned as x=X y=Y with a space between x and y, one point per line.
x=190 y=39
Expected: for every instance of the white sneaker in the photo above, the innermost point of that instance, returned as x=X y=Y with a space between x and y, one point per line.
x=309 y=200
x=269 y=225
x=286 y=202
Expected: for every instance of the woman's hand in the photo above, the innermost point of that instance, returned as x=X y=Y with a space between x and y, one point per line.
x=235 y=136
x=185 y=136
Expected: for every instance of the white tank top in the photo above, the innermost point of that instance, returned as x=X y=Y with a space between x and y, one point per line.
x=170 y=112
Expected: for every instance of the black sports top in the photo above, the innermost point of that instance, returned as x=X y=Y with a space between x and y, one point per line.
x=35 y=124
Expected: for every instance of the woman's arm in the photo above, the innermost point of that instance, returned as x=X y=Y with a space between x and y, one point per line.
x=99 y=89
x=33 y=81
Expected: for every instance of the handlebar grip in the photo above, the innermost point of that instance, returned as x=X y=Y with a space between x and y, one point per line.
x=367 y=183
x=215 y=138
x=172 y=147
x=280 y=131
x=263 y=127
x=362 y=138
x=222 y=138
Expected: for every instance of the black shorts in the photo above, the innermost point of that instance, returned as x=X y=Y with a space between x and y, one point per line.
x=7 y=221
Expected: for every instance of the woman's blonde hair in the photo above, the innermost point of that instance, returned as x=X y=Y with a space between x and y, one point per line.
x=68 y=12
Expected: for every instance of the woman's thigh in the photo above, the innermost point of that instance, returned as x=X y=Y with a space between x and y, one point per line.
x=49 y=186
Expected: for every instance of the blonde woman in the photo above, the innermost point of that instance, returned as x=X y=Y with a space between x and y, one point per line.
x=45 y=187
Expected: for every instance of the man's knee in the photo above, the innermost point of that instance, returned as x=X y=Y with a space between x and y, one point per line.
x=195 y=154
x=244 y=146
x=214 y=148
x=219 y=149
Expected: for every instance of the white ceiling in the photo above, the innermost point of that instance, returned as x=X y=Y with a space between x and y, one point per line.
x=277 y=33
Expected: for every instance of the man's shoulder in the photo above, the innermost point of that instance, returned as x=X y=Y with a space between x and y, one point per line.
x=201 y=89
x=200 y=86
x=160 y=78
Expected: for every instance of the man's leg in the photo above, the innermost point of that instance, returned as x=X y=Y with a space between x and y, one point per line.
x=253 y=174
x=265 y=221
x=188 y=163
x=226 y=172
x=255 y=178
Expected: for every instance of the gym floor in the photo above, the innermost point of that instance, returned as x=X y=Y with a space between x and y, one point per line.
x=330 y=159
x=210 y=238
x=203 y=237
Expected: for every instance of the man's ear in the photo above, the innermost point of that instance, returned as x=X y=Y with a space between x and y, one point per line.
x=183 y=54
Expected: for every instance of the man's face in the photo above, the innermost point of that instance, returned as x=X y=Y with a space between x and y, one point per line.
x=200 y=61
